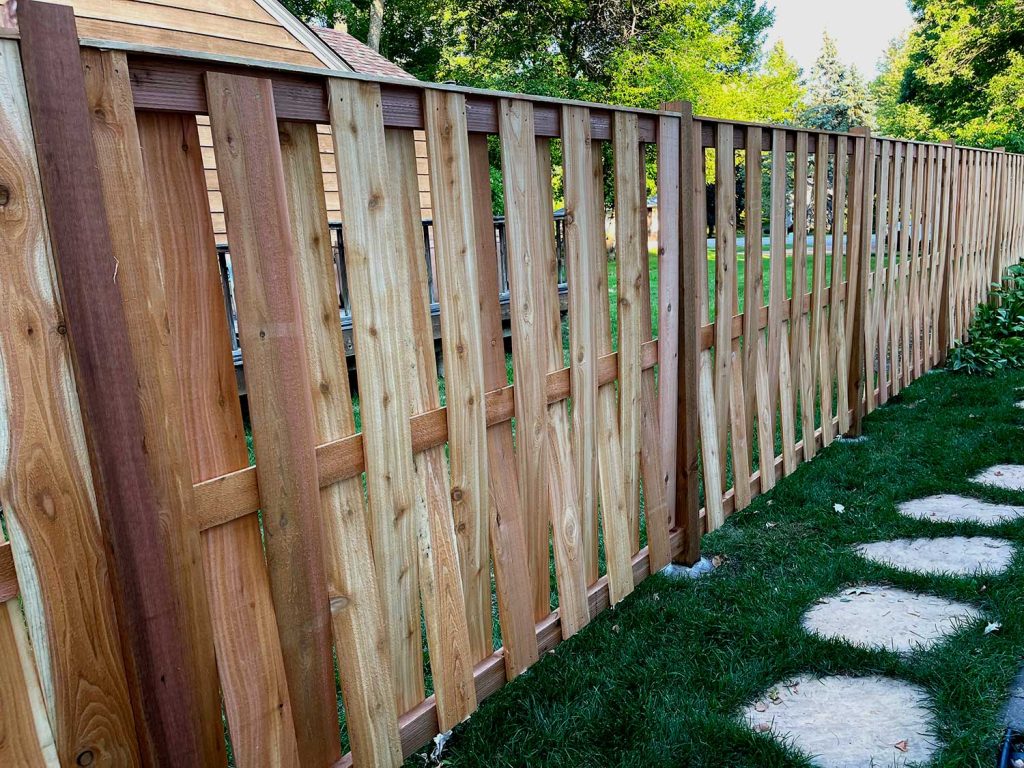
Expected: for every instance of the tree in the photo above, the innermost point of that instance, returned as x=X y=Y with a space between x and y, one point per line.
x=893 y=116
x=837 y=96
x=959 y=73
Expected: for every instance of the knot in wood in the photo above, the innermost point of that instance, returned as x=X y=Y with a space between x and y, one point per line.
x=456 y=494
x=84 y=758
x=5 y=195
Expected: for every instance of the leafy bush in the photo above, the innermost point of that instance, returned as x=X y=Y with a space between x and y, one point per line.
x=996 y=337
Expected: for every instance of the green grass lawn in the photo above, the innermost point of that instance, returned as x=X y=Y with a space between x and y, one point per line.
x=658 y=680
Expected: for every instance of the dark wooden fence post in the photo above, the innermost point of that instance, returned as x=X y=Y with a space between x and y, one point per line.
x=150 y=626
x=693 y=256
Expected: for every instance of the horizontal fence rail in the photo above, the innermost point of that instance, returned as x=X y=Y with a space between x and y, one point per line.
x=353 y=561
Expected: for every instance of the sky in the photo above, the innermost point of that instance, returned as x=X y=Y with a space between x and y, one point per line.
x=862 y=29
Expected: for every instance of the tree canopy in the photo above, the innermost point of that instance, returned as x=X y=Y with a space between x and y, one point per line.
x=959 y=74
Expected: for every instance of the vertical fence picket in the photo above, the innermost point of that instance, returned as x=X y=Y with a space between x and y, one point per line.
x=462 y=339
x=839 y=289
x=820 y=372
x=506 y=518
x=753 y=281
x=590 y=326
x=800 y=344
x=357 y=619
x=725 y=282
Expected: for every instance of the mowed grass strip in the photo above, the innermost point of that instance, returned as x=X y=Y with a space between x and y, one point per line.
x=659 y=680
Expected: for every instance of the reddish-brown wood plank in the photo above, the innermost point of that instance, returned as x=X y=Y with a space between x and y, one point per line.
x=129 y=506
x=263 y=264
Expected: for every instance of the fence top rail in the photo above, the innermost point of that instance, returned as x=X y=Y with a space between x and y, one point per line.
x=323 y=73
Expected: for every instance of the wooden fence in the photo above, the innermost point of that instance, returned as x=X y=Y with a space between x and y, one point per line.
x=380 y=570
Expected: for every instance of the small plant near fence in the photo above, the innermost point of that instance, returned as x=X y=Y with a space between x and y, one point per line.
x=996 y=338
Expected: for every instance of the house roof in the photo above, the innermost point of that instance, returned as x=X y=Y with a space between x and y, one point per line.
x=360 y=57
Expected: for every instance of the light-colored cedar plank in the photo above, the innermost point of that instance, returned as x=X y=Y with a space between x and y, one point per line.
x=404 y=495
x=669 y=270
x=740 y=448
x=800 y=344
x=859 y=271
x=753 y=273
x=765 y=437
x=357 y=618
x=657 y=512
x=614 y=519
x=462 y=339
x=188 y=41
x=787 y=410
x=440 y=578
x=821 y=370
x=529 y=339
x=891 y=321
x=583 y=321
x=270 y=329
x=709 y=446
x=566 y=538
x=631 y=260
x=916 y=259
x=45 y=478
x=233 y=494
x=129 y=213
x=26 y=738
x=249 y=657
x=506 y=517
x=855 y=228
x=837 y=340
x=8 y=576
x=725 y=280
x=776 y=270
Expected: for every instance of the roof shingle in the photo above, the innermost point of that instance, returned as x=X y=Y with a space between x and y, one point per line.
x=359 y=56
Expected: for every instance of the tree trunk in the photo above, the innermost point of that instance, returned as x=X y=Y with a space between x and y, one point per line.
x=376 y=23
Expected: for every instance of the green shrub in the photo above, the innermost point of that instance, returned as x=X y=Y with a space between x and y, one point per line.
x=996 y=337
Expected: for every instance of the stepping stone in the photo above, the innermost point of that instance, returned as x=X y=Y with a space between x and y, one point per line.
x=875 y=616
x=948 y=508
x=1008 y=476
x=849 y=722
x=955 y=555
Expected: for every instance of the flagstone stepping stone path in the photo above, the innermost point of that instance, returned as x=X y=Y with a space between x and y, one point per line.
x=954 y=555
x=949 y=508
x=849 y=722
x=893 y=619
x=1008 y=476
x=862 y=722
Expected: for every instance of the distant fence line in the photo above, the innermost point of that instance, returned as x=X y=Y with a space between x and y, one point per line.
x=160 y=591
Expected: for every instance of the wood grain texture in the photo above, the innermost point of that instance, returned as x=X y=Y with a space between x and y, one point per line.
x=631 y=263
x=135 y=249
x=566 y=537
x=694 y=260
x=821 y=369
x=590 y=327
x=249 y=657
x=462 y=339
x=799 y=343
x=45 y=479
x=725 y=279
x=364 y=668
x=149 y=624
x=753 y=276
x=669 y=273
x=25 y=735
x=270 y=329
x=410 y=511
x=580 y=263
x=444 y=608
x=529 y=338
x=776 y=270
x=506 y=516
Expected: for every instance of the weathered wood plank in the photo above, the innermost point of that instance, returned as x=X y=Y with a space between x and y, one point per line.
x=270 y=328
x=506 y=516
x=753 y=275
x=249 y=661
x=130 y=217
x=462 y=339
x=821 y=370
x=141 y=573
x=27 y=739
x=800 y=345
x=360 y=632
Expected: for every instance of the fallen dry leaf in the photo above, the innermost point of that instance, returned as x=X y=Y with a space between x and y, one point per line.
x=994 y=626
x=902 y=746
x=761 y=706
x=770 y=525
x=762 y=728
x=839 y=508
